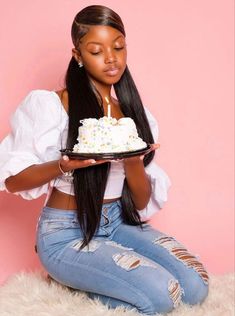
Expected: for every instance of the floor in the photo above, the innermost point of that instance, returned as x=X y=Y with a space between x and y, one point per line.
x=31 y=294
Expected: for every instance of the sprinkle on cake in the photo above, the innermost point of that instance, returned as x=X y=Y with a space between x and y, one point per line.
x=108 y=135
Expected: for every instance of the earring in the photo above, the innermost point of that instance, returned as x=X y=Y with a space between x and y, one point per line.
x=80 y=64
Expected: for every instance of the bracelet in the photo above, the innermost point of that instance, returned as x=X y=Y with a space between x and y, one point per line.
x=67 y=173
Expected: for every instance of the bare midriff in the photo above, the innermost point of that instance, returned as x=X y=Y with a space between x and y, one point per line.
x=63 y=201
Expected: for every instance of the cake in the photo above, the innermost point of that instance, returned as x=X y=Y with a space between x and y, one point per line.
x=108 y=135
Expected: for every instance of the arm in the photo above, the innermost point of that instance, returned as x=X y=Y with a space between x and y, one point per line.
x=33 y=177
x=29 y=154
x=40 y=174
x=138 y=182
x=137 y=179
x=160 y=181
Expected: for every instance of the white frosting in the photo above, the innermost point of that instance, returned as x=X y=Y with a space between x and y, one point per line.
x=108 y=135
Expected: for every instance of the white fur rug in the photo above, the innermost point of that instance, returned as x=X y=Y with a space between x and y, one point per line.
x=31 y=294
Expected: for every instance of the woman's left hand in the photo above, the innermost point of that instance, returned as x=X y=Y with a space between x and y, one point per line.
x=141 y=157
x=152 y=147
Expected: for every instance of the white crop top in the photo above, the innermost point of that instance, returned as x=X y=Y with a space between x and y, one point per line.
x=39 y=130
x=114 y=184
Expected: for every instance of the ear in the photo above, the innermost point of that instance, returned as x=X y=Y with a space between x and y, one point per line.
x=76 y=54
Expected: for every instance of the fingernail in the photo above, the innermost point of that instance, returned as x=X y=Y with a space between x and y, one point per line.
x=66 y=158
x=92 y=161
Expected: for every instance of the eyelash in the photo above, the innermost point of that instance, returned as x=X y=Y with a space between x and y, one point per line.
x=117 y=48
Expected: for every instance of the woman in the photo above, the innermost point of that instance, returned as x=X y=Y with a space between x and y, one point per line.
x=91 y=234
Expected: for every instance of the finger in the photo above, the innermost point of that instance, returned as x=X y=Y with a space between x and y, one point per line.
x=116 y=160
x=98 y=162
x=155 y=146
x=94 y=162
x=69 y=164
x=65 y=157
x=87 y=162
x=152 y=147
x=91 y=161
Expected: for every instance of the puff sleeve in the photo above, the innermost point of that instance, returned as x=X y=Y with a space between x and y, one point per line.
x=34 y=139
x=160 y=181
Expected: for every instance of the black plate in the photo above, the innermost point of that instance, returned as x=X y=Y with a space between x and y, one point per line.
x=101 y=156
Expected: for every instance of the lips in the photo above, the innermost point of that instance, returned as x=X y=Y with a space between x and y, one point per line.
x=112 y=71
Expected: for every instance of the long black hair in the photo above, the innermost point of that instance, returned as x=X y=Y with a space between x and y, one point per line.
x=85 y=102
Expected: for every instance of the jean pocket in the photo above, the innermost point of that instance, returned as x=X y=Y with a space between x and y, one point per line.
x=50 y=226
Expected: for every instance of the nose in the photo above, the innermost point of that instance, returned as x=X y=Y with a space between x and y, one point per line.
x=110 y=57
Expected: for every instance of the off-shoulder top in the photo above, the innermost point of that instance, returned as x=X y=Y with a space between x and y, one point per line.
x=39 y=130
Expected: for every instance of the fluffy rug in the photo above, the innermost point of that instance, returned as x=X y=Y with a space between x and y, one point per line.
x=32 y=294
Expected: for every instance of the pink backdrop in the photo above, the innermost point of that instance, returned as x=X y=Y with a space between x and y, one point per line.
x=180 y=54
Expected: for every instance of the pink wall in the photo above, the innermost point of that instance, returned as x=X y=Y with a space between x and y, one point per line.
x=181 y=56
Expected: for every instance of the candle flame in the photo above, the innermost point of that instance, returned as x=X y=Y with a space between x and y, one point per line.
x=107 y=99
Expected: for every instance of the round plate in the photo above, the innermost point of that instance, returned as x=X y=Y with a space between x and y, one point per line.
x=101 y=156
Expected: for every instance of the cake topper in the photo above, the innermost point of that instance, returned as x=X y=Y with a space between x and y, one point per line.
x=109 y=106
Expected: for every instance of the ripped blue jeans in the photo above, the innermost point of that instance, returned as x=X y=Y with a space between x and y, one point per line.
x=145 y=270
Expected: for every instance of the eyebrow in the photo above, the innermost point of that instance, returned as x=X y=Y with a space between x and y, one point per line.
x=101 y=43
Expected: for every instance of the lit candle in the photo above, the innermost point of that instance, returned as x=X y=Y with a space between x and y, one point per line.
x=109 y=107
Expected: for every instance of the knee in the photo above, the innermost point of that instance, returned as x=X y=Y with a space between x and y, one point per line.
x=197 y=291
x=153 y=307
x=161 y=300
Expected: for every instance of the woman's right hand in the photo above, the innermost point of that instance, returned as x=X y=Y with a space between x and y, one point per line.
x=67 y=164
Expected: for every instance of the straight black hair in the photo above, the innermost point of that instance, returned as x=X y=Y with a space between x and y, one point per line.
x=85 y=102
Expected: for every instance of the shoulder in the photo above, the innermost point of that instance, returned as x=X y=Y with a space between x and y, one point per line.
x=41 y=101
x=49 y=96
x=64 y=98
x=40 y=93
x=39 y=107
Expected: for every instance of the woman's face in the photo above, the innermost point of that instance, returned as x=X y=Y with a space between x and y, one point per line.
x=103 y=54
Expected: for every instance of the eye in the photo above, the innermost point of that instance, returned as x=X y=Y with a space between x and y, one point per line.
x=119 y=48
x=95 y=53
